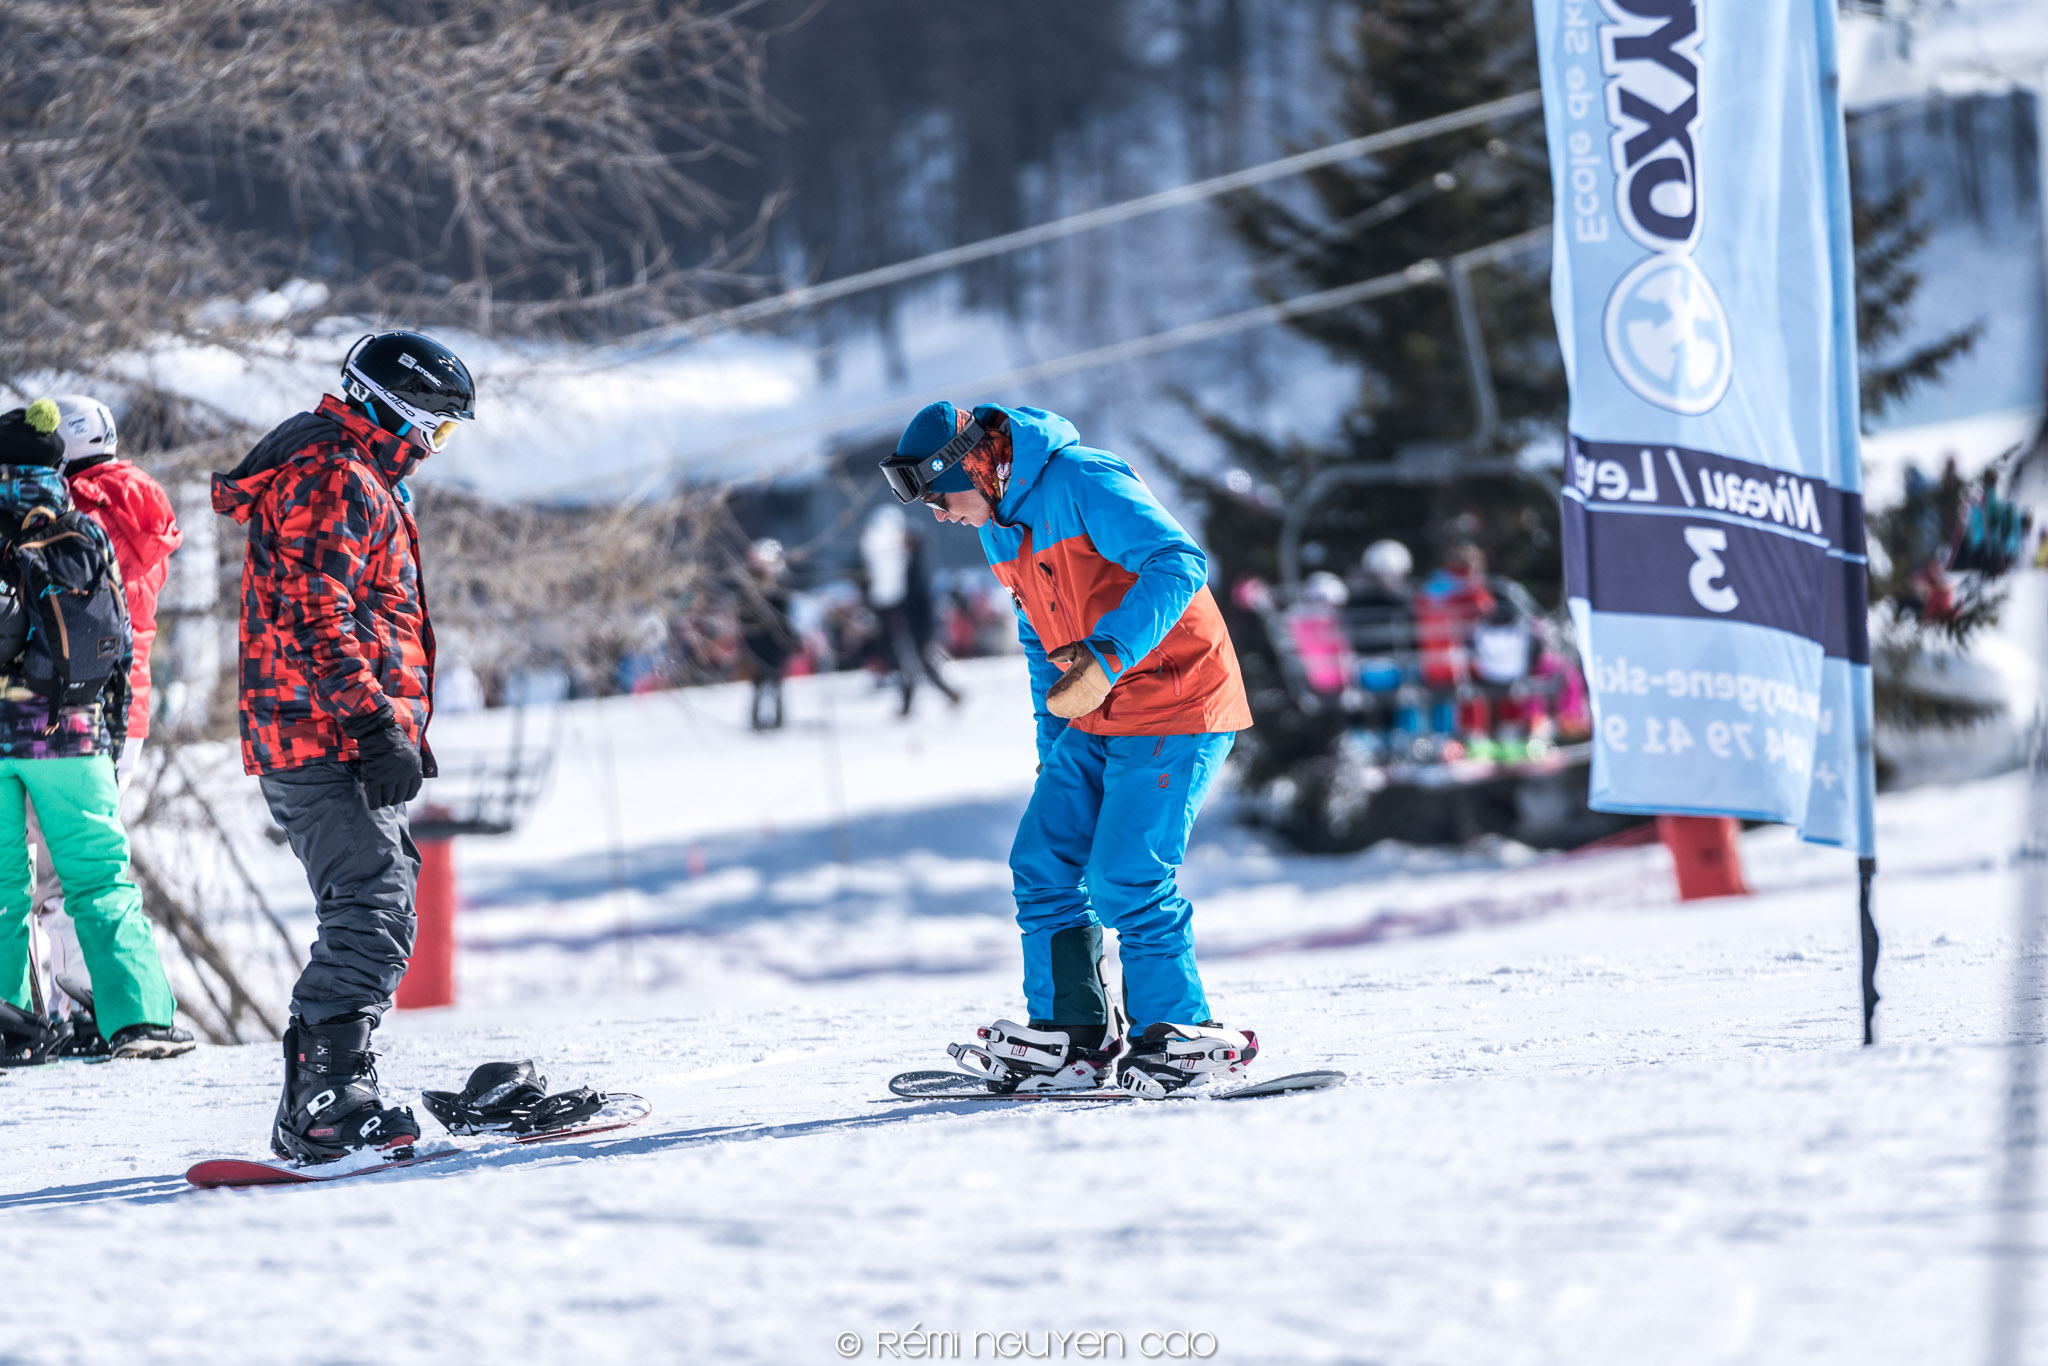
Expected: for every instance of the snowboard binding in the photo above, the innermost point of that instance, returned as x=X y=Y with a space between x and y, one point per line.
x=86 y=1040
x=1165 y=1058
x=510 y=1098
x=29 y=1040
x=1037 y=1057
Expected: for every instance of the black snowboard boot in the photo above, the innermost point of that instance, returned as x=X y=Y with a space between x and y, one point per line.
x=149 y=1041
x=331 y=1107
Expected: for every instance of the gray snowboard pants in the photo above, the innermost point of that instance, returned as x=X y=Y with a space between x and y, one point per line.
x=362 y=867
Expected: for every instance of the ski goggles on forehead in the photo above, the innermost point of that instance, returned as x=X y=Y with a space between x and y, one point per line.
x=911 y=476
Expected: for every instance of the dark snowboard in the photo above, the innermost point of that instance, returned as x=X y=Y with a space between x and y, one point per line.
x=964 y=1086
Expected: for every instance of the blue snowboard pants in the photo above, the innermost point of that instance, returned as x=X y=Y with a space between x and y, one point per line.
x=1101 y=844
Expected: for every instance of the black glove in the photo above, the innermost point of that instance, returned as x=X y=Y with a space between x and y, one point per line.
x=387 y=762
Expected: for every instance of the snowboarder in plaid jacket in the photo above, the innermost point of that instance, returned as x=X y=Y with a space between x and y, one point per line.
x=336 y=686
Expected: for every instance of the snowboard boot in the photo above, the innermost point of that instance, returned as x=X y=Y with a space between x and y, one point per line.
x=1041 y=1056
x=29 y=1040
x=331 y=1106
x=1171 y=1057
x=148 y=1041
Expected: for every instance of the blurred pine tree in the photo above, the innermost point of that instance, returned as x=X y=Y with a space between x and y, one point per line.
x=1404 y=60
x=1398 y=61
x=1925 y=615
x=1889 y=237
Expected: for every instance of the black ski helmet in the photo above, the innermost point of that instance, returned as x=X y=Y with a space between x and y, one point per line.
x=410 y=385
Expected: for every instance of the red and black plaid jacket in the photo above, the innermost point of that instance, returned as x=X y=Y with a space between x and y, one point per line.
x=334 y=616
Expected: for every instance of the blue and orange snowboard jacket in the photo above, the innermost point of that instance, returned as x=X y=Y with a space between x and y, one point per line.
x=334 y=616
x=1090 y=556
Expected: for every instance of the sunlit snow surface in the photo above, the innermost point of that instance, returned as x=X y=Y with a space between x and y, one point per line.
x=1587 y=1125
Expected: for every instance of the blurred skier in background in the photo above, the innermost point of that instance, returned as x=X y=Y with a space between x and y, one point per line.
x=900 y=595
x=765 y=629
x=1447 y=605
x=64 y=658
x=1381 y=581
x=1138 y=698
x=917 y=646
x=337 y=682
x=136 y=514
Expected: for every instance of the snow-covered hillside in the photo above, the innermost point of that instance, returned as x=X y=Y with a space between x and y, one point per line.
x=1588 y=1126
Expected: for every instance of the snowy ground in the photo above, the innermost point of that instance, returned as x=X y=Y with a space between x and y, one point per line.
x=1586 y=1125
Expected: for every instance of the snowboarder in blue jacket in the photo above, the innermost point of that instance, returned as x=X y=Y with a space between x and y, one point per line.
x=1138 y=698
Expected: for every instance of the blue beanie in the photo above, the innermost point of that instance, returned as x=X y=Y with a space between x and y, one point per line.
x=935 y=425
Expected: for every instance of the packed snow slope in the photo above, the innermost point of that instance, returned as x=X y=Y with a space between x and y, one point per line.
x=1586 y=1124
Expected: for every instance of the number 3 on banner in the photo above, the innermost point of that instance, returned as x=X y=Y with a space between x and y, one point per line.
x=1706 y=542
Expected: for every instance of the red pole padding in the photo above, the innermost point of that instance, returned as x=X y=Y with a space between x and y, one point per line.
x=1707 y=852
x=430 y=977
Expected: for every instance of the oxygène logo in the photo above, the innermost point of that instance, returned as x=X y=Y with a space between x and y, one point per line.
x=1667 y=335
x=1666 y=330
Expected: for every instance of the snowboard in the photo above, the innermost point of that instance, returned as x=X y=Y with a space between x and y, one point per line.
x=967 y=1086
x=622 y=1110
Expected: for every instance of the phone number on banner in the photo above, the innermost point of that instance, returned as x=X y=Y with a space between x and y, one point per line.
x=1671 y=737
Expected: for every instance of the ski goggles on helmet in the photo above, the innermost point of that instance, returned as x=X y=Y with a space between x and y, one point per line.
x=924 y=478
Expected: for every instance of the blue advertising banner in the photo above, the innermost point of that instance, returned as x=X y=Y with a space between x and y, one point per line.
x=1713 y=517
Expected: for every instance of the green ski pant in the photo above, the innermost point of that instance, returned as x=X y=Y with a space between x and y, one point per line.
x=79 y=805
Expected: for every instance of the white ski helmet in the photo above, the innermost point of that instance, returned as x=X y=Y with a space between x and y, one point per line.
x=1388 y=560
x=87 y=426
x=1325 y=589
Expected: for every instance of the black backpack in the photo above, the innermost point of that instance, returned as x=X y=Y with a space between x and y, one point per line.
x=68 y=588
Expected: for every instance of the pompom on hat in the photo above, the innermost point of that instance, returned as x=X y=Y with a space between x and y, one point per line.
x=28 y=436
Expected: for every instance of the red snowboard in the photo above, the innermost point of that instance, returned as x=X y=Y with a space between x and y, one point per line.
x=621 y=1111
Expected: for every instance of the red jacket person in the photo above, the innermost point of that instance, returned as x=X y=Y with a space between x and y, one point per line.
x=137 y=516
x=337 y=682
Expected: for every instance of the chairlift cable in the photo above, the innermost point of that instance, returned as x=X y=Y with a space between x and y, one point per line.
x=1342 y=296
x=635 y=348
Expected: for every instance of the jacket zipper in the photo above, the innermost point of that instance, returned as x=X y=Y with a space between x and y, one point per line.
x=1053 y=596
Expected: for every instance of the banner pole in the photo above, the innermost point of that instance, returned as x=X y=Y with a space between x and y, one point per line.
x=1866 y=870
x=1849 y=458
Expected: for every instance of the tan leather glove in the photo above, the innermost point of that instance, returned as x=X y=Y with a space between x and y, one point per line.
x=1082 y=688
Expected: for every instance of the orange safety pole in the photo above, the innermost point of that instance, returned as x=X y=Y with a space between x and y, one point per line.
x=430 y=976
x=1707 y=853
